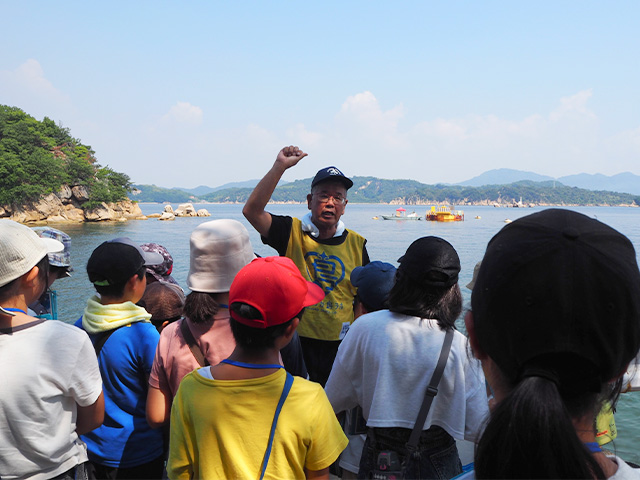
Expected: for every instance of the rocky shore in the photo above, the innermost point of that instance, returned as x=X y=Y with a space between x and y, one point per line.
x=66 y=207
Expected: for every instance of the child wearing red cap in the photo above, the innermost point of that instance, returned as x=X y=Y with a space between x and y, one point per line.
x=246 y=417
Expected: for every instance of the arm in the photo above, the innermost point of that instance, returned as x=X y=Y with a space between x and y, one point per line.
x=317 y=474
x=91 y=416
x=254 y=209
x=158 y=407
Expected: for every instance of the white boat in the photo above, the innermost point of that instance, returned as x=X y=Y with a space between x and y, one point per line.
x=401 y=214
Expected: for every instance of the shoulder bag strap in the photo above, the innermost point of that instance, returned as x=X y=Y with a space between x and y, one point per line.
x=432 y=391
x=102 y=339
x=285 y=391
x=193 y=345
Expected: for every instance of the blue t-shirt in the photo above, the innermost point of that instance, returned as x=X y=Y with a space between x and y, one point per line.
x=125 y=439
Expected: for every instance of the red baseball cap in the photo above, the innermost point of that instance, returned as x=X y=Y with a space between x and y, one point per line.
x=274 y=287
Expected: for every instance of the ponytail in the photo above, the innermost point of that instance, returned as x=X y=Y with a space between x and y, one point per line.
x=530 y=434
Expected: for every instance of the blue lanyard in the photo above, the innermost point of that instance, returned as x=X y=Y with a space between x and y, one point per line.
x=250 y=365
x=223 y=305
x=285 y=391
x=7 y=309
x=593 y=447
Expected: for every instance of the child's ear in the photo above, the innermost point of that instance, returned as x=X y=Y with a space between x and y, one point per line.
x=31 y=275
x=290 y=330
x=473 y=340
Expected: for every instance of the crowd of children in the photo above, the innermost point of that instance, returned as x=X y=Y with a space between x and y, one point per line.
x=152 y=384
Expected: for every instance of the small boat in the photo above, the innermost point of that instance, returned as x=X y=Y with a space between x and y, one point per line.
x=443 y=213
x=401 y=214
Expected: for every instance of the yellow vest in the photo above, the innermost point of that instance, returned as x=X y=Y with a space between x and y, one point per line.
x=330 y=267
x=606 y=430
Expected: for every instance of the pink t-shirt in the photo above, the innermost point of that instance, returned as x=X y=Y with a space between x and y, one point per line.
x=174 y=359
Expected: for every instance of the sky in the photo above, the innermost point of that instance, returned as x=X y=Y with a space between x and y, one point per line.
x=182 y=94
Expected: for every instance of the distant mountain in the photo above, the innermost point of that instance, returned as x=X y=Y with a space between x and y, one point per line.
x=410 y=192
x=622 y=182
x=197 y=191
x=625 y=182
x=503 y=176
x=151 y=193
x=203 y=190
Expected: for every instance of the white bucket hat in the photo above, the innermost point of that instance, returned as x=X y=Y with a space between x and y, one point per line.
x=20 y=250
x=219 y=249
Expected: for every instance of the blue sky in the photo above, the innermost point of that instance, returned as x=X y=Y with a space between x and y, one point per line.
x=205 y=92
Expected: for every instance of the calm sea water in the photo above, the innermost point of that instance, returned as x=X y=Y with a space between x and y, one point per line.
x=386 y=241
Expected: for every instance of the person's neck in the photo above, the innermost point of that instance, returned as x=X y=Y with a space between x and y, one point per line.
x=266 y=356
x=104 y=300
x=18 y=303
x=224 y=371
x=586 y=434
x=326 y=233
x=221 y=298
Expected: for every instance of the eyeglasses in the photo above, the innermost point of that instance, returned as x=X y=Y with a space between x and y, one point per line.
x=325 y=197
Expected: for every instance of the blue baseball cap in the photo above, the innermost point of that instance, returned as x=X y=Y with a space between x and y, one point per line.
x=374 y=282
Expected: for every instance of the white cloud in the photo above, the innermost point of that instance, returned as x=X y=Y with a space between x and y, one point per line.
x=574 y=106
x=30 y=90
x=185 y=113
x=365 y=139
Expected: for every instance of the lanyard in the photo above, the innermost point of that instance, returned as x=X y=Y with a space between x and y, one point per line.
x=593 y=447
x=7 y=309
x=283 y=396
x=251 y=365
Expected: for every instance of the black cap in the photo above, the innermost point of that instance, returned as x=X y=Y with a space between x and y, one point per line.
x=374 y=282
x=557 y=287
x=431 y=261
x=116 y=261
x=333 y=174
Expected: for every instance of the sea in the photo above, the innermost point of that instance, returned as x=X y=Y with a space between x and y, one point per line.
x=387 y=241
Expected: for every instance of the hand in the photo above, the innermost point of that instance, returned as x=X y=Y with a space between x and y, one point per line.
x=289 y=156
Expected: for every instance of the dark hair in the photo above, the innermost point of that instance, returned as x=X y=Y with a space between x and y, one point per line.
x=200 y=307
x=409 y=297
x=255 y=338
x=117 y=290
x=530 y=434
x=357 y=299
x=9 y=290
x=536 y=416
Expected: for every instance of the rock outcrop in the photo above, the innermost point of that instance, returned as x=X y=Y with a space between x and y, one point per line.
x=185 y=210
x=66 y=206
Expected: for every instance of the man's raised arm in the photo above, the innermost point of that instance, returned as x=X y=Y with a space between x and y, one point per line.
x=254 y=210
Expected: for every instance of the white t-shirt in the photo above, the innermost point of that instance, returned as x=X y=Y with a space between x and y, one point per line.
x=385 y=363
x=45 y=370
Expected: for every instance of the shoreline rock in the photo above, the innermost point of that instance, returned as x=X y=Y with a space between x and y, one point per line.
x=65 y=207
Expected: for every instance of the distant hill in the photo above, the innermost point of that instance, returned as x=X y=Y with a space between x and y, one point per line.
x=152 y=193
x=623 y=182
x=503 y=176
x=378 y=190
x=411 y=192
x=204 y=190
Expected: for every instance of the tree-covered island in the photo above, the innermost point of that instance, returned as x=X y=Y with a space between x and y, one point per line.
x=45 y=174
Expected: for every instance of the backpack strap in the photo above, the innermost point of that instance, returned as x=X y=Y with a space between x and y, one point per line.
x=193 y=345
